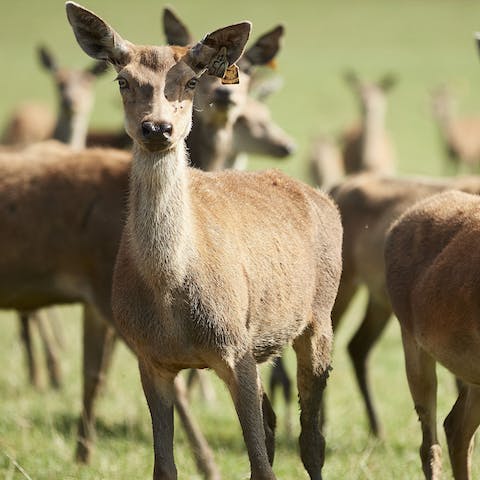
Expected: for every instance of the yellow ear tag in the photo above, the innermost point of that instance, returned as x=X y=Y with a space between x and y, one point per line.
x=231 y=76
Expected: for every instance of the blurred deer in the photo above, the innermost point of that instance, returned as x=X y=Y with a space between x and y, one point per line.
x=367 y=146
x=326 y=163
x=460 y=135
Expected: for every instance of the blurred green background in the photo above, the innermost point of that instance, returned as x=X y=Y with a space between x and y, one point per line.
x=423 y=42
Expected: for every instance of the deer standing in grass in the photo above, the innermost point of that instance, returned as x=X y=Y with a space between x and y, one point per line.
x=75 y=95
x=460 y=135
x=367 y=146
x=216 y=270
x=432 y=265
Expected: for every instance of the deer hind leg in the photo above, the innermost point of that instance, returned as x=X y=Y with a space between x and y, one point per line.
x=313 y=350
x=201 y=450
x=98 y=343
x=279 y=378
x=422 y=380
x=373 y=324
x=460 y=426
x=243 y=382
x=160 y=394
x=26 y=335
x=45 y=328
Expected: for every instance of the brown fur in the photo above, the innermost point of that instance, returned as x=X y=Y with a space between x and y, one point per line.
x=368 y=205
x=431 y=260
x=216 y=270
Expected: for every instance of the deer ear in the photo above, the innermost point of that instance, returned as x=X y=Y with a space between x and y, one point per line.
x=99 y=68
x=220 y=50
x=387 y=82
x=96 y=37
x=264 y=49
x=175 y=30
x=351 y=78
x=47 y=60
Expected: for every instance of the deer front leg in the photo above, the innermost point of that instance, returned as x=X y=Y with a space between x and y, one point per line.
x=244 y=384
x=98 y=342
x=26 y=335
x=160 y=394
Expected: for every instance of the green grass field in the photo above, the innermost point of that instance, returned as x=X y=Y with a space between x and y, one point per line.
x=424 y=42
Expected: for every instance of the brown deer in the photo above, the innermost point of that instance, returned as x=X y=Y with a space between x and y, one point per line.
x=216 y=270
x=225 y=119
x=460 y=135
x=76 y=203
x=431 y=262
x=368 y=205
x=367 y=146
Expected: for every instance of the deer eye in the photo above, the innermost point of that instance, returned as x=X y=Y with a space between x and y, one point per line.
x=122 y=83
x=192 y=83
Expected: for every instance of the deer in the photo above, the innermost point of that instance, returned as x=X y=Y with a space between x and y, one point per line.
x=31 y=123
x=369 y=203
x=79 y=198
x=326 y=163
x=367 y=146
x=459 y=135
x=431 y=269
x=214 y=269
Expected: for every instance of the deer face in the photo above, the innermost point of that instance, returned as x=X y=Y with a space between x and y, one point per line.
x=157 y=84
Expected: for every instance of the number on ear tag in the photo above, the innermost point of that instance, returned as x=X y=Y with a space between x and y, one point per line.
x=219 y=64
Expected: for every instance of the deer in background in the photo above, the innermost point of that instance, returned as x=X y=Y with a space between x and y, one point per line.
x=326 y=163
x=226 y=120
x=367 y=146
x=460 y=135
x=75 y=94
x=432 y=265
x=215 y=270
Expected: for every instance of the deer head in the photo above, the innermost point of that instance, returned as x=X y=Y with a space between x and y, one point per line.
x=157 y=84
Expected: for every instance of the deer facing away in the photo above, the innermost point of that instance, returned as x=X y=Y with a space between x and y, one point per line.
x=209 y=273
x=432 y=263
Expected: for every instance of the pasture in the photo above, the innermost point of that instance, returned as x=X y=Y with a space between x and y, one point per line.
x=424 y=43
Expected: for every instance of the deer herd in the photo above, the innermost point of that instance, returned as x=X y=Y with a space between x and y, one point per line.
x=197 y=264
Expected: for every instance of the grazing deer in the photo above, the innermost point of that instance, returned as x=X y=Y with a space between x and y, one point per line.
x=431 y=265
x=368 y=205
x=367 y=147
x=216 y=270
x=460 y=135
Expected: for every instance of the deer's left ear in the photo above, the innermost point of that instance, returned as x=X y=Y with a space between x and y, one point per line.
x=220 y=50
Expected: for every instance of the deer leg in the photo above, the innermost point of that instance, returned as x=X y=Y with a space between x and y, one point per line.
x=206 y=389
x=160 y=394
x=201 y=450
x=422 y=381
x=244 y=385
x=279 y=377
x=346 y=290
x=269 y=425
x=313 y=350
x=26 y=335
x=373 y=324
x=51 y=352
x=460 y=426
x=98 y=342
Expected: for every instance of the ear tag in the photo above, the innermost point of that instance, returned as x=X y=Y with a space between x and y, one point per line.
x=219 y=64
x=231 y=76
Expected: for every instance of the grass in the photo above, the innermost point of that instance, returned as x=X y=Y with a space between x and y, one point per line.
x=424 y=43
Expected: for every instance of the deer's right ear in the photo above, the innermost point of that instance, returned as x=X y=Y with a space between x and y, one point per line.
x=96 y=37
x=46 y=59
x=220 y=50
x=175 y=30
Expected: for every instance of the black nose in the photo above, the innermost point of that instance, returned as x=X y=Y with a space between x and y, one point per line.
x=152 y=130
x=222 y=96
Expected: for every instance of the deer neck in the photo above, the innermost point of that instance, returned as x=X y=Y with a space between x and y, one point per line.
x=374 y=133
x=71 y=128
x=210 y=144
x=159 y=222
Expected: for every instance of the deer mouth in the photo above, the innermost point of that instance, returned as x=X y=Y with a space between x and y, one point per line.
x=157 y=145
